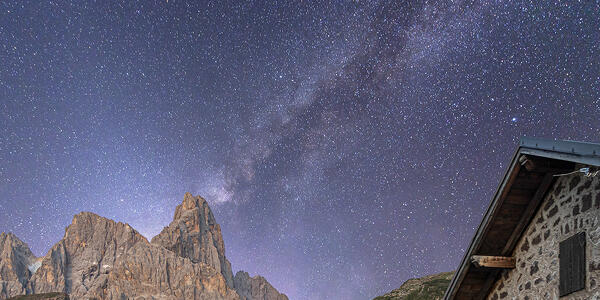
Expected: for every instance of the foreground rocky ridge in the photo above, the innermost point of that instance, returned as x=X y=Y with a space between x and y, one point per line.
x=101 y=259
x=47 y=296
x=430 y=287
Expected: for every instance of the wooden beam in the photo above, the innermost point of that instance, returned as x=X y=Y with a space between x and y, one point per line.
x=528 y=214
x=501 y=262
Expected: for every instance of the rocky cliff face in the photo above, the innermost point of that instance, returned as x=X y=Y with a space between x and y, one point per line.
x=15 y=260
x=195 y=234
x=90 y=247
x=430 y=287
x=256 y=287
x=101 y=259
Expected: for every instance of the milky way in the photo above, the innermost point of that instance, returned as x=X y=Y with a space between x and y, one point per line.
x=343 y=148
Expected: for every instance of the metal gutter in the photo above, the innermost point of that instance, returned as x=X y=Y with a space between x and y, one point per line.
x=567 y=147
x=578 y=152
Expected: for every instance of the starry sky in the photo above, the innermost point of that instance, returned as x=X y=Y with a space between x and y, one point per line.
x=344 y=147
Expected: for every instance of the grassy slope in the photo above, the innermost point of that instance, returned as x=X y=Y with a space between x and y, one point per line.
x=431 y=287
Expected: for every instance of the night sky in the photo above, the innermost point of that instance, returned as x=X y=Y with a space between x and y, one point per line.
x=343 y=148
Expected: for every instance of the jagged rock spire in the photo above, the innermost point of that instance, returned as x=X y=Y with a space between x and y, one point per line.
x=195 y=234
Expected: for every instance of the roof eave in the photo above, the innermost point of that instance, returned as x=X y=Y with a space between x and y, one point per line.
x=464 y=265
x=577 y=152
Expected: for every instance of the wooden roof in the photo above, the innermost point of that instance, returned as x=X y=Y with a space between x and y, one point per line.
x=527 y=180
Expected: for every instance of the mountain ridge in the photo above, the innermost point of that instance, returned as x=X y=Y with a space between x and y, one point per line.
x=99 y=258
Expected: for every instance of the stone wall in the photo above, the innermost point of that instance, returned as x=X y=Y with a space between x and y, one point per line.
x=572 y=206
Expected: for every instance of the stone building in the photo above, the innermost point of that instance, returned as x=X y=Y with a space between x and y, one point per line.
x=540 y=237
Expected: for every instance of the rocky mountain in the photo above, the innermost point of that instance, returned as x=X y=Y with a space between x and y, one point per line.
x=195 y=234
x=102 y=259
x=255 y=287
x=15 y=262
x=430 y=287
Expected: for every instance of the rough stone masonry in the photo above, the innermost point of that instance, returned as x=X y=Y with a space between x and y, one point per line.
x=571 y=206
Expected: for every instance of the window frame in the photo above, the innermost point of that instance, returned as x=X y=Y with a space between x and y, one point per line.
x=572 y=264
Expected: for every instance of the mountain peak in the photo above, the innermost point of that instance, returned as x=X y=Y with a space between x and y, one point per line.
x=195 y=234
x=9 y=236
x=256 y=287
x=6 y=235
x=15 y=258
x=189 y=203
x=11 y=241
x=86 y=215
x=85 y=225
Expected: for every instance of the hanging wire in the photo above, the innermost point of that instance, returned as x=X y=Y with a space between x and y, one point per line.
x=585 y=171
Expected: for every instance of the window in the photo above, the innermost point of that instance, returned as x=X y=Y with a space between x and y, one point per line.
x=572 y=264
